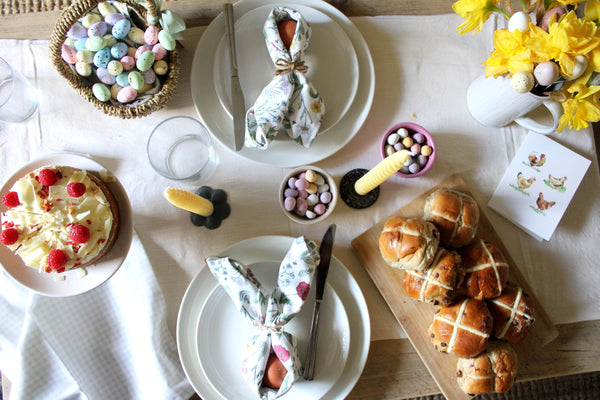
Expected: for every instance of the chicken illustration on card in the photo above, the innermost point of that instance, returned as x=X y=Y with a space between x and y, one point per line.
x=539 y=184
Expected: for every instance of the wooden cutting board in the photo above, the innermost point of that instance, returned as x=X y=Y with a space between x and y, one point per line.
x=415 y=316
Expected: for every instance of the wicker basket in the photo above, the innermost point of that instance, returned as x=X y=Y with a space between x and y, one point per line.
x=82 y=85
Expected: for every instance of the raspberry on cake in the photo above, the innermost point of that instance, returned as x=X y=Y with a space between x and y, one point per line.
x=59 y=218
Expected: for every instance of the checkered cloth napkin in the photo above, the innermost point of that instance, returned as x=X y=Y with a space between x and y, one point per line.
x=270 y=312
x=109 y=343
x=289 y=101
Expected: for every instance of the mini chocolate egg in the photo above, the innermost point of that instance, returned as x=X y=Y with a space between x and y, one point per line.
x=136 y=80
x=128 y=63
x=113 y=18
x=85 y=56
x=121 y=28
x=98 y=29
x=519 y=21
x=551 y=16
x=140 y=50
x=275 y=372
x=90 y=19
x=578 y=68
x=160 y=67
x=110 y=40
x=126 y=94
x=149 y=76
x=122 y=79
x=102 y=57
x=104 y=76
x=422 y=160
x=114 y=67
x=403 y=132
x=114 y=90
x=145 y=61
x=166 y=39
x=393 y=138
x=80 y=44
x=522 y=81
x=118 y=50
x=101 y=92
x=419 y=138
x=426 y=150
x=546 y=73
x=77 y=31
x=151 y=34
x=159 y=51
x=136 y=35
x=70 y=42
x=105 y=8
x=414 y=168
x=415 y=148
x=95 y=43
x=69 y=54
x=407 y=142
x=83 y=69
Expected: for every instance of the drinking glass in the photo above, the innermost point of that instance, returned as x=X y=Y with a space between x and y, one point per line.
x=18 y=98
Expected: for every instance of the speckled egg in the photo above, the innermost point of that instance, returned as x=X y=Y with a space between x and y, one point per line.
x=102 y=57
x=151 y=34
x=85 y=56
x=519 y=21
x=159 y=51
x=145 y=88
x=546 y=73
x=145 y=61
x=136 y=35
x=77 y=31
x=160 y=67
x=126 y=94
x=131 y=51
x=149 y=76
x=128 y=63
x=70 y=42
x=522 y=81
x=136 y=80
x=105 y=8
x=166 y=39
x=122 y=80
x=95 y=43
x=104 y=76
x=90 y=19
x=121 y=28
x=98 y=29
x=69 y=54
x=83 y=69
x=118 y=50
x=101 y=92
x=110 y=40
x=80 y=44
x=113 y=18
x=140 y=50
x=114 y=90
x=114 y=67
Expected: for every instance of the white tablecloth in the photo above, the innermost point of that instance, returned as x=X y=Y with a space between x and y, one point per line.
x=423 y=68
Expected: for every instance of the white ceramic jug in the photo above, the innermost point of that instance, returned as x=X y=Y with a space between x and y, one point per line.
x=494 y=103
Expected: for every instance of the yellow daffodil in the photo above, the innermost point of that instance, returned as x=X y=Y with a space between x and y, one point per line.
x=510 y=55
x=581 y=108
x=591 y=10
x=570 y=2
x=475 y=13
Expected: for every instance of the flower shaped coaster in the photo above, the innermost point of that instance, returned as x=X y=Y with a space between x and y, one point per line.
x=270 y=312
x=289 y=101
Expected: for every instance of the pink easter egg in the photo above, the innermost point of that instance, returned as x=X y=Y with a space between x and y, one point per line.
x=151 y=34
x=68 y=54
x=555 y=12
x=159 y=51
x=128 y=63
x=140 y=50
x=126 y=94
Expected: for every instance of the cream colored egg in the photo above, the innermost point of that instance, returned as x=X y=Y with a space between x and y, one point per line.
x=522 y=81
x=519 y=21
x=579 y=68
x=546 y=73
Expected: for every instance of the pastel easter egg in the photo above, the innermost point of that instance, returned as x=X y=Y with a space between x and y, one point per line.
x=122 y=79
x=131 y=51
x=114 y=90
x=104 y=76
x=151 y=34
x=136 y=80
x=551 y=16
x=519 y=21
x=95 y=43
x=546 y=73
x=69 y=54
x=83 y=69
x=106 y=8
x=149 y=76
x=85 y=56
x=140 y=50
x=90 y=19
x=128 y=63
x=126 y=94
x=166 y=40
x=80 y=44
x=578 y=68
x=114 y=67
x=70 y=42
x=160 y=67
x=522 y=81
x=110 y=40
x=145 y=61
x=136 y=35
x=159 y=51
x=98 y=29
x=145 y=88
x=121 y=28
x=118 y=50
x=102 y=57
x=101 y=92
x=77 y=31
x=113 y=18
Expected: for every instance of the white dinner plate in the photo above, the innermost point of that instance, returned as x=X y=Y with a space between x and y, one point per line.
x=281 y=153
x=260 y=249
x=98 y=273
x=330 y=56
x=223 y=332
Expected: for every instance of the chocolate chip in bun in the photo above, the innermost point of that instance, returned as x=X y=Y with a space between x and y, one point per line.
x=437 y=284
x=455 y=215
x=513 y=314
x=408 y=243
x=493 y=371
x=486 y=270
x=462 y=328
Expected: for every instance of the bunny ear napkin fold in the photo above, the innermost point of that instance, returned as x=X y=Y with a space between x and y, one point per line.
x=269 y=312
x=289 y=101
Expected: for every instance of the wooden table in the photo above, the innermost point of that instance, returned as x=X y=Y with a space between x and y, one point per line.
x=393 y=369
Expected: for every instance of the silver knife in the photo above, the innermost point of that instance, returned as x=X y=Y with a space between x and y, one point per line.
x=237 y=97
x=322 y=269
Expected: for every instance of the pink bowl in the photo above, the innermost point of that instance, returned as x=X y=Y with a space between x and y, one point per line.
x=412 y=129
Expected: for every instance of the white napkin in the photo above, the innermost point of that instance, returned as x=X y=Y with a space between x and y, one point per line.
x=109 y=343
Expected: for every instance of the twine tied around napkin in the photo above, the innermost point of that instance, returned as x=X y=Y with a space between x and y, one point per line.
x=270 y=312
x=289 y=101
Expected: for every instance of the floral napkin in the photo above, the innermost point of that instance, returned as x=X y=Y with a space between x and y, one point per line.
x=269 y=312
x=289 y=101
